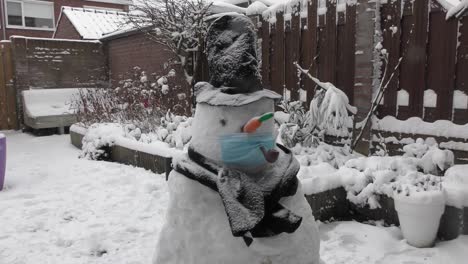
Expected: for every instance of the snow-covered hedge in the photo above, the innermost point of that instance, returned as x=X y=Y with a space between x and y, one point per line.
x=174 y=133
x=365 y=178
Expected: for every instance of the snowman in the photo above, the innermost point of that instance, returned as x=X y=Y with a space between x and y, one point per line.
x=235 y=197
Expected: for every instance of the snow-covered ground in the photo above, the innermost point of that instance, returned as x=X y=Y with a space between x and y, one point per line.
x=57 y=208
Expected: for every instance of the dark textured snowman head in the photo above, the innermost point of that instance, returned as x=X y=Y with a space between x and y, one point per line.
x=232 y=57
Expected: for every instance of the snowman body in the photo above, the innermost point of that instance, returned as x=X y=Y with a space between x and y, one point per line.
x=235 y=203
x=197 y=228
x=197 y=231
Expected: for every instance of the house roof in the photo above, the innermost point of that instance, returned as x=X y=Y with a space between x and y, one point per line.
x=94 y=23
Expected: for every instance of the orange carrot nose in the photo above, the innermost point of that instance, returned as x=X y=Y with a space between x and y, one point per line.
x=253 y=124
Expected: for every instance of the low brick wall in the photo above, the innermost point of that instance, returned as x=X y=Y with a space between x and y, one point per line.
x=154 y=163
x=330 y=205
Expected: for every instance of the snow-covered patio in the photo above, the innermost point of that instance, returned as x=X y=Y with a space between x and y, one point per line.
x=57 y=208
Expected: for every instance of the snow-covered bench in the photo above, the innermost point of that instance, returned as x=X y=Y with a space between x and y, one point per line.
x=49 y=108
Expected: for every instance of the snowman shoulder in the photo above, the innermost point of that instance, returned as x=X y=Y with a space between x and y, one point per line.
x=189 y=191
x=297 y=203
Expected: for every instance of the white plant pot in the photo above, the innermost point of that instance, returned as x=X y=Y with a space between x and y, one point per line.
x=419 y=220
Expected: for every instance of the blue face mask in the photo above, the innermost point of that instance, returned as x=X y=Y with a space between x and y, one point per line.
x=243 y=149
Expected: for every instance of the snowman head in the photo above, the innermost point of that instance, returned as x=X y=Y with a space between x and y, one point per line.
x=220 y=116
x=233 y=97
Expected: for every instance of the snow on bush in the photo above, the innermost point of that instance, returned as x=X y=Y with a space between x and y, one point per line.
x=296 y=126
x=323 y=153
x=328 y=114
x=98 y=139
x=431 y=159
x=456 y=185
x=364 y=178
x=330 y=111
x=174 y=130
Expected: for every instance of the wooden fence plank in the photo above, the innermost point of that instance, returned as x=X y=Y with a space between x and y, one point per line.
x=417 y=54
x=9 y=85
x=273 y=58
x=327 y=50
x=340 y=54
x=346 y=37
x=412 y=70
x=3 y=95
x=309 y=48
x=278 y=55
x=288 y=60
x=391 y=30
x=266 y=53
x=460 y=116
x=441 y=52
x=292 y=50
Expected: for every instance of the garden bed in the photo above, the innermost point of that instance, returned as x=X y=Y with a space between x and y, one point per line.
x=125 y=154
x=332 y=205
x=329 y=201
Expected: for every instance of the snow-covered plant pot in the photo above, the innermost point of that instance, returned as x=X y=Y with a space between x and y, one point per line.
x=419 y=214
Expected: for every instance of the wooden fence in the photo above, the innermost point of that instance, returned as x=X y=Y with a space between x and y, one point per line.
x=434 y=51
x=8 y=119
x=322 y=41
x=435 y=61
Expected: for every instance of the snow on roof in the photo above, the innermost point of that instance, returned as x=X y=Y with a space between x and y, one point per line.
x=93 y=23
x=122 y=2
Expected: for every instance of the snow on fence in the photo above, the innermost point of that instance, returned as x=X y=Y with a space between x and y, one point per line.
x=312 y=35
x=321 y=34
x=435 y=60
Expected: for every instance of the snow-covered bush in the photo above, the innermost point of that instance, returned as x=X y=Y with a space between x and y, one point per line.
x=323 y=153
x=431 y=159
x=173 y=130
x=365 y=178
x=331 y=112
x=328 y=114
x=98 y=140
x=298 y=129
x=140 y=100
x=99 y=137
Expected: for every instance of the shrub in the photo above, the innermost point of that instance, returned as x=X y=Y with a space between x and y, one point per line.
x=141 y=100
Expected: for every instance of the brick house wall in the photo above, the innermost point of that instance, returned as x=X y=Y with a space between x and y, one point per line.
x=66 y=30
x=57 y=8
x=126 y=52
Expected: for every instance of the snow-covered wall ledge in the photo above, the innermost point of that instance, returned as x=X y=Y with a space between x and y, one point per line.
x=155 y=156
x=415 y=125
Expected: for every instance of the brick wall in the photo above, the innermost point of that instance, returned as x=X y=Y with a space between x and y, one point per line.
x=50 y=63
x=56 y=64
x=30 y=33
x=66 y=30
x=57 y=8
x=126 y=52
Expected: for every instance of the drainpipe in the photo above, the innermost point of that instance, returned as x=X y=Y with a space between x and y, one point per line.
x=2 y=14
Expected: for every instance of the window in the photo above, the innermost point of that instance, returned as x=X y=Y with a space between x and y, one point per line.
x=14 y=14
x=30 y=14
